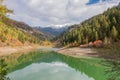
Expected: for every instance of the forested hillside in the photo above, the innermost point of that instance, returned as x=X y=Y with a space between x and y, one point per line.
x=9 y=35
x=26 y=28
x=14 y=33
x=105 y=27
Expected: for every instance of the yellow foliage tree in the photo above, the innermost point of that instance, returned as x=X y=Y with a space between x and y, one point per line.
x=3 y=9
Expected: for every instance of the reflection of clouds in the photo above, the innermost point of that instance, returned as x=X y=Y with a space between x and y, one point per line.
x=58 y=64
x=49 y=71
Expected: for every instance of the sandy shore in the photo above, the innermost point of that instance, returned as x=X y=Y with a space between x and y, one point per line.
x=78 y=52
x=75 y=51
x=9 y=50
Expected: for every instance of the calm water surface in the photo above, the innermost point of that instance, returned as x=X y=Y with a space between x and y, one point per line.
x=48 y=71
x=52 y=66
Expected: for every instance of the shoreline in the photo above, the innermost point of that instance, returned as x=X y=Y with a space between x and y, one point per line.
x=74 y=51
x=5 y=51
x=78 y=52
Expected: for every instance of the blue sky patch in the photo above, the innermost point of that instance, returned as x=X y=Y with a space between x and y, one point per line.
x=94 y=1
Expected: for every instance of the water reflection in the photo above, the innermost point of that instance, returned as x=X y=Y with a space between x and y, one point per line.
x=48 y=71
x=38 y=63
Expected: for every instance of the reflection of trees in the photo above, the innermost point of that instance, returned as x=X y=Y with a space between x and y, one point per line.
x=114 y=70
x=3 y=70
x=90 y=68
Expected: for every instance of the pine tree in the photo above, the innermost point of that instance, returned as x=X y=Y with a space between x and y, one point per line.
x=96 y=35
x=114 y=33
x=86 y=40
x=114 y=21
x=105 y=40
x=79 y=38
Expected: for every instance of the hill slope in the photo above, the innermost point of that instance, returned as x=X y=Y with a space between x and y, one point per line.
x=16 y=33
x=104 y=27
x=26 y=28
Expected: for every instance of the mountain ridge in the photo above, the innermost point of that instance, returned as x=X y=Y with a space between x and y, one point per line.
x=52 y=30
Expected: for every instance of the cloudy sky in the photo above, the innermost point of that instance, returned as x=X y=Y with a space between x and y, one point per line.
x=56 y=12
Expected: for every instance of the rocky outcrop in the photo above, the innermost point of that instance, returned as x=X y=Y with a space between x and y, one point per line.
x=97 y=43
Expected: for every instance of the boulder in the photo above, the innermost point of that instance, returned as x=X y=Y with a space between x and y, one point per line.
x=90 y=44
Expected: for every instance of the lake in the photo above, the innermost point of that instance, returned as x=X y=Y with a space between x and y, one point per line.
x=53 y=66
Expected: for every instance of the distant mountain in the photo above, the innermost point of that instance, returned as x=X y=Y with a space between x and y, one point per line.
x=53 y=31
x=105 y=27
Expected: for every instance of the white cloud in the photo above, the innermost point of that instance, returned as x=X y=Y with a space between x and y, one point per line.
x=56 y=12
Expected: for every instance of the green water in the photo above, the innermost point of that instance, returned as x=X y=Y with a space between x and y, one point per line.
x=53 y=66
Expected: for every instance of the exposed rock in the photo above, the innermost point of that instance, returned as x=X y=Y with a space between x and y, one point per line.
x=98 y=43
x=90 y=44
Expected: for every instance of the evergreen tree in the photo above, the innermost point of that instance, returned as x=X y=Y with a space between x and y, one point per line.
x=105 y=40
x=114 y=33
x=96 y=35
x=79 y=38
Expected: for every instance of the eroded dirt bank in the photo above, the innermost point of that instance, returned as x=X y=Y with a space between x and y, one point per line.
x=78 y=52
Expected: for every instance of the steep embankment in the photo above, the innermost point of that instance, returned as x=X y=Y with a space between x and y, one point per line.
x=78 y=52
